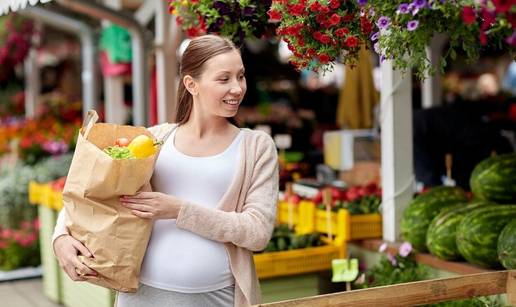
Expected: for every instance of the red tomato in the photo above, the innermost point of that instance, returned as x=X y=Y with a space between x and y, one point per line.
x=318 y=198
x=122 y=142
x=295 y=199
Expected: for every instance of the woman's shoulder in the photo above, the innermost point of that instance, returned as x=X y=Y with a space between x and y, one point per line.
x=258 y=137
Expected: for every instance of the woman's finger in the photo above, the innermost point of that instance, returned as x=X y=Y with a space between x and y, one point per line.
x=73 y=274
x=82 y=269
x=144 y=215
x=136 y=206
x=81 y=248
x=141 y=195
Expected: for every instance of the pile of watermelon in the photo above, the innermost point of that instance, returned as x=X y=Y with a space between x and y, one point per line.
x=482 y=231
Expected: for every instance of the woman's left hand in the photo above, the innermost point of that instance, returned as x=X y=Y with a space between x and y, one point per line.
x=152 y=205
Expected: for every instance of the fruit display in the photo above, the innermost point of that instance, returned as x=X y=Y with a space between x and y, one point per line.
x=140 y=147
x=507 y=245
x=422 y=210
x=284 y=238
x=477 y=233
x=357 y=199
x=441 y=234
x=494 y=179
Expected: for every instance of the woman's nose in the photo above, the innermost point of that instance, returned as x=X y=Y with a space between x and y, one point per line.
x=236 y=89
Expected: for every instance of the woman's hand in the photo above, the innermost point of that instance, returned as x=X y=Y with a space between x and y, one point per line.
x=152 y=205
x=66 y=249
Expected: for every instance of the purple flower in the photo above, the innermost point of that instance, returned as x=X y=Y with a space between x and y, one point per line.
x=412 y=25
x=382 y=58
x=383 y=23
x=419 y=3
x=376 y=47
x=405 y=249
x=511 y=40
x=392 y=259
x=403 y=9
x=375 y=36
x=362 y=2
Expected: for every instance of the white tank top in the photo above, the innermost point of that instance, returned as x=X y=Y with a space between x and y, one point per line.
x=179 y=260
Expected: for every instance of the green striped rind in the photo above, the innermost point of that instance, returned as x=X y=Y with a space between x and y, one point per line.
x=494 y=179
x=507 y=245
x=440 y=237
x=421 y=210
x=477 y=233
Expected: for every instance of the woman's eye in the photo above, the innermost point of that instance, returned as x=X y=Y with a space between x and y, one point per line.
x=224 y=79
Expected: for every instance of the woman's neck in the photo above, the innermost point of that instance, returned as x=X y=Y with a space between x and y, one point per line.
x=206 y=127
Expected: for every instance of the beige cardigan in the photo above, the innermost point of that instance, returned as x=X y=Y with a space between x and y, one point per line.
x=245 y=216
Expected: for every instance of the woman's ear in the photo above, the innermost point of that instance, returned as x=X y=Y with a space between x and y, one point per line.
x=190 y=85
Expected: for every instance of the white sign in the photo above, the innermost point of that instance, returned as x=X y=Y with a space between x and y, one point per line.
x=15 y=5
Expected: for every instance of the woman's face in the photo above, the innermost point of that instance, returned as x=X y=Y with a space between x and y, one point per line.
x=222 y=85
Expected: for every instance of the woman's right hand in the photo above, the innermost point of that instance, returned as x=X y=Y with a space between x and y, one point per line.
x=66 y=249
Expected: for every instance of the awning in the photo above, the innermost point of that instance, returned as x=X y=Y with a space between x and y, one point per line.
x=15 y=5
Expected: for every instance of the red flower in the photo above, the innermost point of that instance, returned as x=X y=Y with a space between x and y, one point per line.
x=503 y=6
x=296 y=10
x=274 y=16
x=193 y=32
x=325 y=39
x=488 y=18
x=341 y=32
x=468 y=15
x=317 y=35
x=321 y=18
x=351 y=42
x=315 y=7
x=334 y=4
x=483 y=38
x=334 y=19
x=366 y=25
x=348 y=17
x=323 y=58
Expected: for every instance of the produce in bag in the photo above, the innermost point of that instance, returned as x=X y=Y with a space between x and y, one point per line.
x=96 y=180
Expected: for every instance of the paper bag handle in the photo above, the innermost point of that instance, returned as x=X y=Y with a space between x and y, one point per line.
x=89 y=121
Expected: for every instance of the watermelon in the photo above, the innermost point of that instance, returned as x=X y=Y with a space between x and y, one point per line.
x=507 y=245
x=421 y=210
x=477 y=233
x=440 y=237
x=494 y=179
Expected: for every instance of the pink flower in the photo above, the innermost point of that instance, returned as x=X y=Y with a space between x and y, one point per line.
x=361 y=279
x=405 y=249
x=383 y=247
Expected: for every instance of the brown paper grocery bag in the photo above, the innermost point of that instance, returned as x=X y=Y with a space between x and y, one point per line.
x=116 y=238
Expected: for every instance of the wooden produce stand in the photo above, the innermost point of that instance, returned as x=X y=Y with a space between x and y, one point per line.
x=417 y=293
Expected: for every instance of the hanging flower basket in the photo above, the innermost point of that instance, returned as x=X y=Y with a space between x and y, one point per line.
x=404 y=29
x=320 y=32
x=236 y=20
x=15 y=42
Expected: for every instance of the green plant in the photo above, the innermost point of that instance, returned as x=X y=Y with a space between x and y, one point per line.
x=19 y=247
x=14 y=204
x=406 y=28
x=393 y=269
x=236 y=19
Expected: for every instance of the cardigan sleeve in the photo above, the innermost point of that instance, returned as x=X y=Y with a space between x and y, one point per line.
x=252 y=228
